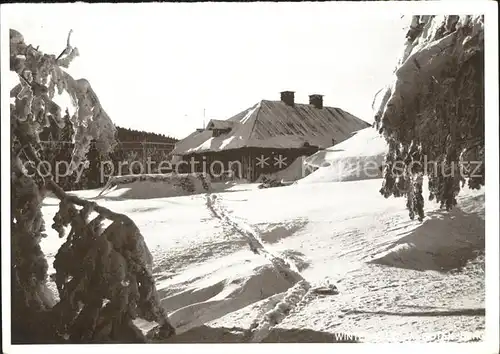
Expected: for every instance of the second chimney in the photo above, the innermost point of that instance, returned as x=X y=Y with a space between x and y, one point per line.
x=288 y=97
x=316 y=101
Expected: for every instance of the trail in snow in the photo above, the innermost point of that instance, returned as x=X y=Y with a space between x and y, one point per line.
x=285 y=267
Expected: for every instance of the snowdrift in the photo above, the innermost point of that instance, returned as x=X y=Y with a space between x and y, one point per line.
x=201 y=303
x=359 y=157
x=149 y=186
x=444 y=242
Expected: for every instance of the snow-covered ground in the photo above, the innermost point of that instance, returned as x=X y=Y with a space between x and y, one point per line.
x=251 y=258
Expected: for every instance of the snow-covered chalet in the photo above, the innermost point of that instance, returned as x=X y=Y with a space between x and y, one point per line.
x=266 y=137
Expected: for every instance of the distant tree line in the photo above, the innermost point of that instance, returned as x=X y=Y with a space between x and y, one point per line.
x=132 y=135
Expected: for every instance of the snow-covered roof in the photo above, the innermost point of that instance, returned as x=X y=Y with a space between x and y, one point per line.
x=273 y=124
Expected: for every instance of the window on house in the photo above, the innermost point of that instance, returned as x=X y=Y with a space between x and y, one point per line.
x=219 y=132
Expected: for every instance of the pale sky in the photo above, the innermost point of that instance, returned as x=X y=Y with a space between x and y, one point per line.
x=156 y=67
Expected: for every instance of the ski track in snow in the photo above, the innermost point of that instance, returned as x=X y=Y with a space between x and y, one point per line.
x=285 y=267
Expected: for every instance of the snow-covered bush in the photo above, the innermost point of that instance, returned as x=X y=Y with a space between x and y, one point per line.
x=270 y=183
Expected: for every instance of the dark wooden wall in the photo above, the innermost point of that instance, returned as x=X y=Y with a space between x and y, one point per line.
x=244 y=161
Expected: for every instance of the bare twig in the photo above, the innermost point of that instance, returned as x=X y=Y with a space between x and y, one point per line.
x=68 y=46
x=69 y=36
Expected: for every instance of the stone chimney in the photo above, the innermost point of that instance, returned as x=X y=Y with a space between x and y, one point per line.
x=316 y=101
x=288 y=97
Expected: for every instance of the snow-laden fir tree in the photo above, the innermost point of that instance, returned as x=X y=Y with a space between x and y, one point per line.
x=433 y=114
x=103 y=275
